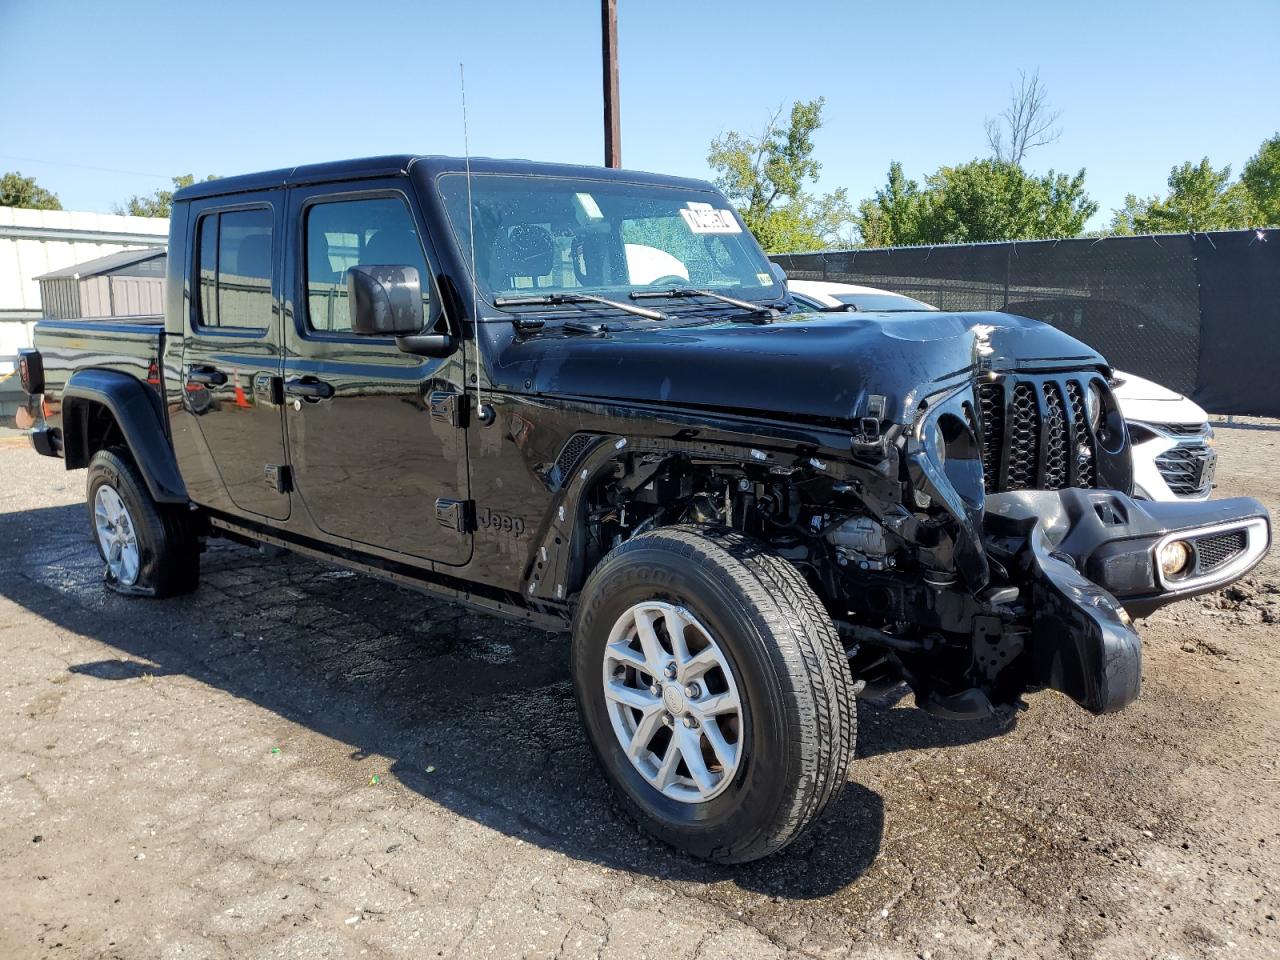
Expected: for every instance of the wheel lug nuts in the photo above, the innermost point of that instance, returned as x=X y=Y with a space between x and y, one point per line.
x=692 y=691
x=655 y=689
x=670 y=671
x=668 y=720
x=690 y=722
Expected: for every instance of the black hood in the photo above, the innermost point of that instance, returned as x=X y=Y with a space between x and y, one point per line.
x=803 y=366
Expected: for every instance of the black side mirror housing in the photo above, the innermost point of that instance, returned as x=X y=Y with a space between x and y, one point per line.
x=384 y=300
x=428 y=344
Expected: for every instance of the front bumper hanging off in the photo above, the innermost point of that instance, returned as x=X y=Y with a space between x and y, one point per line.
x=1089 y=561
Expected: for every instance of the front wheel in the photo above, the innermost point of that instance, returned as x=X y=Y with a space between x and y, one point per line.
x=714 y=690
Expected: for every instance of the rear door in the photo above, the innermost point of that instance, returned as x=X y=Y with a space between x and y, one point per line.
x=375 y=435
x=231 y=359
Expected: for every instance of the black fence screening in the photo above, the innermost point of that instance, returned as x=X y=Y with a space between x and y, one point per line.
x=1198 y=313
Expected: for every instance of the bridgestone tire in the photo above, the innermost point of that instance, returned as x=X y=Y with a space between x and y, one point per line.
x=791 y=672
x=169 y=550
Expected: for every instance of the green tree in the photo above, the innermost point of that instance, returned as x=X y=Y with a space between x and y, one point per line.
x=892 y=216
x=19 y=191
x=1261 y=180
x=765 y=178
x=159 y=203
x=1199 y=198
x=978 y=201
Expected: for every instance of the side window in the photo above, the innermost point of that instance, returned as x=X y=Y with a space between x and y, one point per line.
x=208 y=253
x=343 y=233
x=234 y=253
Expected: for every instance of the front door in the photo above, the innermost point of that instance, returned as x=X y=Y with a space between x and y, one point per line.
x=375 y=435
x=231 y=434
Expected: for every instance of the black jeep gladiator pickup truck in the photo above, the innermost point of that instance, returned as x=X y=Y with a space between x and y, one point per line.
x=584 y=398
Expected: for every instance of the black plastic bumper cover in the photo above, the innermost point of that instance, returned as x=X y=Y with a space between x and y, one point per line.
x=1084 y=643
x=1088 y=560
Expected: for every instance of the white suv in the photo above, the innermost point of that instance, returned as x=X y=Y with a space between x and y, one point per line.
x=1173 y=456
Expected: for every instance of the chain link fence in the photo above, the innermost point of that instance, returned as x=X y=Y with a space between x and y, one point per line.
x=1198 y=313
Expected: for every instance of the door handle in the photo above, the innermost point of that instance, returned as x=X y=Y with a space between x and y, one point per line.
x=207 y=376
x=308 y=388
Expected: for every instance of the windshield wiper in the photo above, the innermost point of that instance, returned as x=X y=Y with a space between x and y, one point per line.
x=583 y=326
x=757 y=309
x=854 y=308
x=561 y=299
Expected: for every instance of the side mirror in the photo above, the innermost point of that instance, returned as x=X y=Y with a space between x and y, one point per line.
x=778 y=273
x=428 y=344
x=384 y=300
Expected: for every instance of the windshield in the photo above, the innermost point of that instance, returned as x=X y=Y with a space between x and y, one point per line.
x=548 y=235
x=881 y=302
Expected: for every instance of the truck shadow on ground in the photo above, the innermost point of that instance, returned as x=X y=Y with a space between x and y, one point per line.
x=471 y=712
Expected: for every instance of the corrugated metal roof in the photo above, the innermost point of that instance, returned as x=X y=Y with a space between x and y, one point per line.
x=108 y=264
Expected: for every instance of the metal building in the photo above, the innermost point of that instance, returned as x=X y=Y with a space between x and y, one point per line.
x=34 y=242
x=125 y=284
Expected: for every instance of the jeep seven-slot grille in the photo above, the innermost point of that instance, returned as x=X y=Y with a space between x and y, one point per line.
x=991 y=419
x=1056 y=441
x=1035 y=435
x=1081 y=437
x=1023 y=428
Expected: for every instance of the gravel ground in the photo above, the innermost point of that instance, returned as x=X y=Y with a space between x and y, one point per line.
x=297 y=761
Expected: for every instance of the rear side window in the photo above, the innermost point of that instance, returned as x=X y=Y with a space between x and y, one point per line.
x=208 y=254
x=343 y=233
x=234 y=250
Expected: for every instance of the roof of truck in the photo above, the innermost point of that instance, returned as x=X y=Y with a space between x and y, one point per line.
x=397 y=164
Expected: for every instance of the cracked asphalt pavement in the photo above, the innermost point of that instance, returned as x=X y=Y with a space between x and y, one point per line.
x=298 y=761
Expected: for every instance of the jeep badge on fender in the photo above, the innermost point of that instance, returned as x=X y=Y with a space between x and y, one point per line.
x=507 y=523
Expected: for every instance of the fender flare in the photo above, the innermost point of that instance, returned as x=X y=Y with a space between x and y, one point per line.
x=136 y=410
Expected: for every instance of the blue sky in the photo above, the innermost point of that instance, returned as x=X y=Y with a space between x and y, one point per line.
x=143 y=91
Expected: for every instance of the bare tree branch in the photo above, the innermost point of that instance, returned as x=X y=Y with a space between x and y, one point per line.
x=762 y=149
x=1029 y=121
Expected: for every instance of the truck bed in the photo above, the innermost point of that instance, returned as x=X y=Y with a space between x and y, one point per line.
x=130 y=345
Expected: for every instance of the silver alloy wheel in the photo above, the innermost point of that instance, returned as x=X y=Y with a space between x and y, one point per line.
x=116 y=535
x=673 y=701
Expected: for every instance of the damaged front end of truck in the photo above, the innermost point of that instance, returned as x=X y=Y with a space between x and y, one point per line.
x=1039 y=559
x=1052 y=558
x=975 y=538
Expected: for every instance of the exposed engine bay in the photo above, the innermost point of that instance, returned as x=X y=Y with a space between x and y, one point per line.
x=972 y=596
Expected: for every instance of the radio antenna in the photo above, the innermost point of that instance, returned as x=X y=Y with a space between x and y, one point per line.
x=484 y=412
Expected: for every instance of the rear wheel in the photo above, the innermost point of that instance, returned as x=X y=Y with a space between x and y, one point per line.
x=148 y=548
x=714 y=690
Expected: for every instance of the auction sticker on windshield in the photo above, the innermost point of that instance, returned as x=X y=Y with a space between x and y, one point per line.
x=704 y=218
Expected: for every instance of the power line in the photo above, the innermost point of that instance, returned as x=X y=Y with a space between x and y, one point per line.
x=83 y=166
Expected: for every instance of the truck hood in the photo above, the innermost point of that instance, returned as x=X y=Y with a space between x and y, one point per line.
x=802 y=366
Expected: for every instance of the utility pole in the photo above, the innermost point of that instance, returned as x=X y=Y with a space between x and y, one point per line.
x=609 y=58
